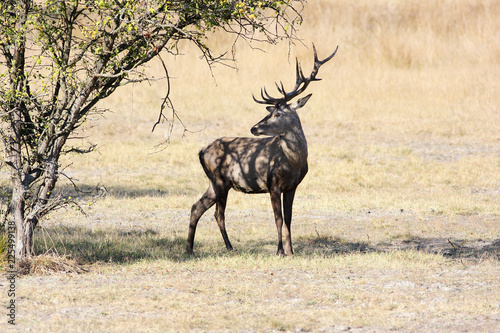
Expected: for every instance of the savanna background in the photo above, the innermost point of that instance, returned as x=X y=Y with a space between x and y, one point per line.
x=396 y=226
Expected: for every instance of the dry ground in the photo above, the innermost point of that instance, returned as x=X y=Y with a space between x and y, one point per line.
x=396 y=227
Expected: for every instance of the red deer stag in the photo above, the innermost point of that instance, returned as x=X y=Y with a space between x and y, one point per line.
x=275 y=164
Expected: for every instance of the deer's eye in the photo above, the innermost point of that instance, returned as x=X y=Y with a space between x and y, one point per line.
x=277 y=115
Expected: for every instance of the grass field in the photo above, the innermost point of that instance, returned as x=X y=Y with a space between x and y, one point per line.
x=396 y=226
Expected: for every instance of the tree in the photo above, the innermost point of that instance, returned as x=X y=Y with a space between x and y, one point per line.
x=59 y=58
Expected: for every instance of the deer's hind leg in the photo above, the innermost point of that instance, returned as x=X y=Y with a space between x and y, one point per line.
x=199 y=208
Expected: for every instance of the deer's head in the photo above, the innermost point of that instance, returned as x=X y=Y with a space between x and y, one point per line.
x=281 y=118
x=282 y=114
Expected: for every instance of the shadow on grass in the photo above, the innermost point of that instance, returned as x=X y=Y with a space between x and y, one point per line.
x=453 y=248
x=450 y=248
x=108 y=246
x=85 y=191
x=112 y=245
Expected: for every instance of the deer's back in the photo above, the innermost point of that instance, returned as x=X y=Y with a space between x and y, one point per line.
x=250 y=165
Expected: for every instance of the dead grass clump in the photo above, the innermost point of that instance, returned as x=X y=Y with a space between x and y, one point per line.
x=46 y=264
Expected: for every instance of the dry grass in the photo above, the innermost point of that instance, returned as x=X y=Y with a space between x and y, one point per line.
x=396 y=226
x=46 y=264
x=398 y=290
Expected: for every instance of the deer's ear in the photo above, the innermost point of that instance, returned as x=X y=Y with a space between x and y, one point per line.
x=270 y=108
x=301 y=102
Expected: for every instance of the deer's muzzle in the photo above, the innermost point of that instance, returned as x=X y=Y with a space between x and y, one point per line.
x=256 y=130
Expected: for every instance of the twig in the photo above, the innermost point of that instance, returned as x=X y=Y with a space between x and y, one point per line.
x=458 y=250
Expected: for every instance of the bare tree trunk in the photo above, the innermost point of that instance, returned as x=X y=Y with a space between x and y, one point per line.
x=30 y=202
x=24 y=227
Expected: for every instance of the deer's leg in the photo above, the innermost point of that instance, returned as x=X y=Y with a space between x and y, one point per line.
x=220 y=208
x=198 y=209
x=287 y=210
x=278 y=217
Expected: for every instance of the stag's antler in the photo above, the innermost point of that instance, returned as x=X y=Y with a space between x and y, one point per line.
x=301 y=82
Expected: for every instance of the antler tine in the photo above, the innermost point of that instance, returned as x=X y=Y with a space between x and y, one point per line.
x=264 y=100
x=318 y=63
x=281 y=88
x=267 y=97
x=257 y=101
x=321 y=62
x=315 y=54
x=300 y=75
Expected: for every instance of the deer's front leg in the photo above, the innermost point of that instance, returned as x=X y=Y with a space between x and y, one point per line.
x=278 y=217
x=220 y=208
x=287 y=209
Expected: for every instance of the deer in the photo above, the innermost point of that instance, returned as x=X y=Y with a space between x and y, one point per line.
x=275 y=164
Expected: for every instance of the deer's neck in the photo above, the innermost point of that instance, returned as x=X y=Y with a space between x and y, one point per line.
x=294 y=146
